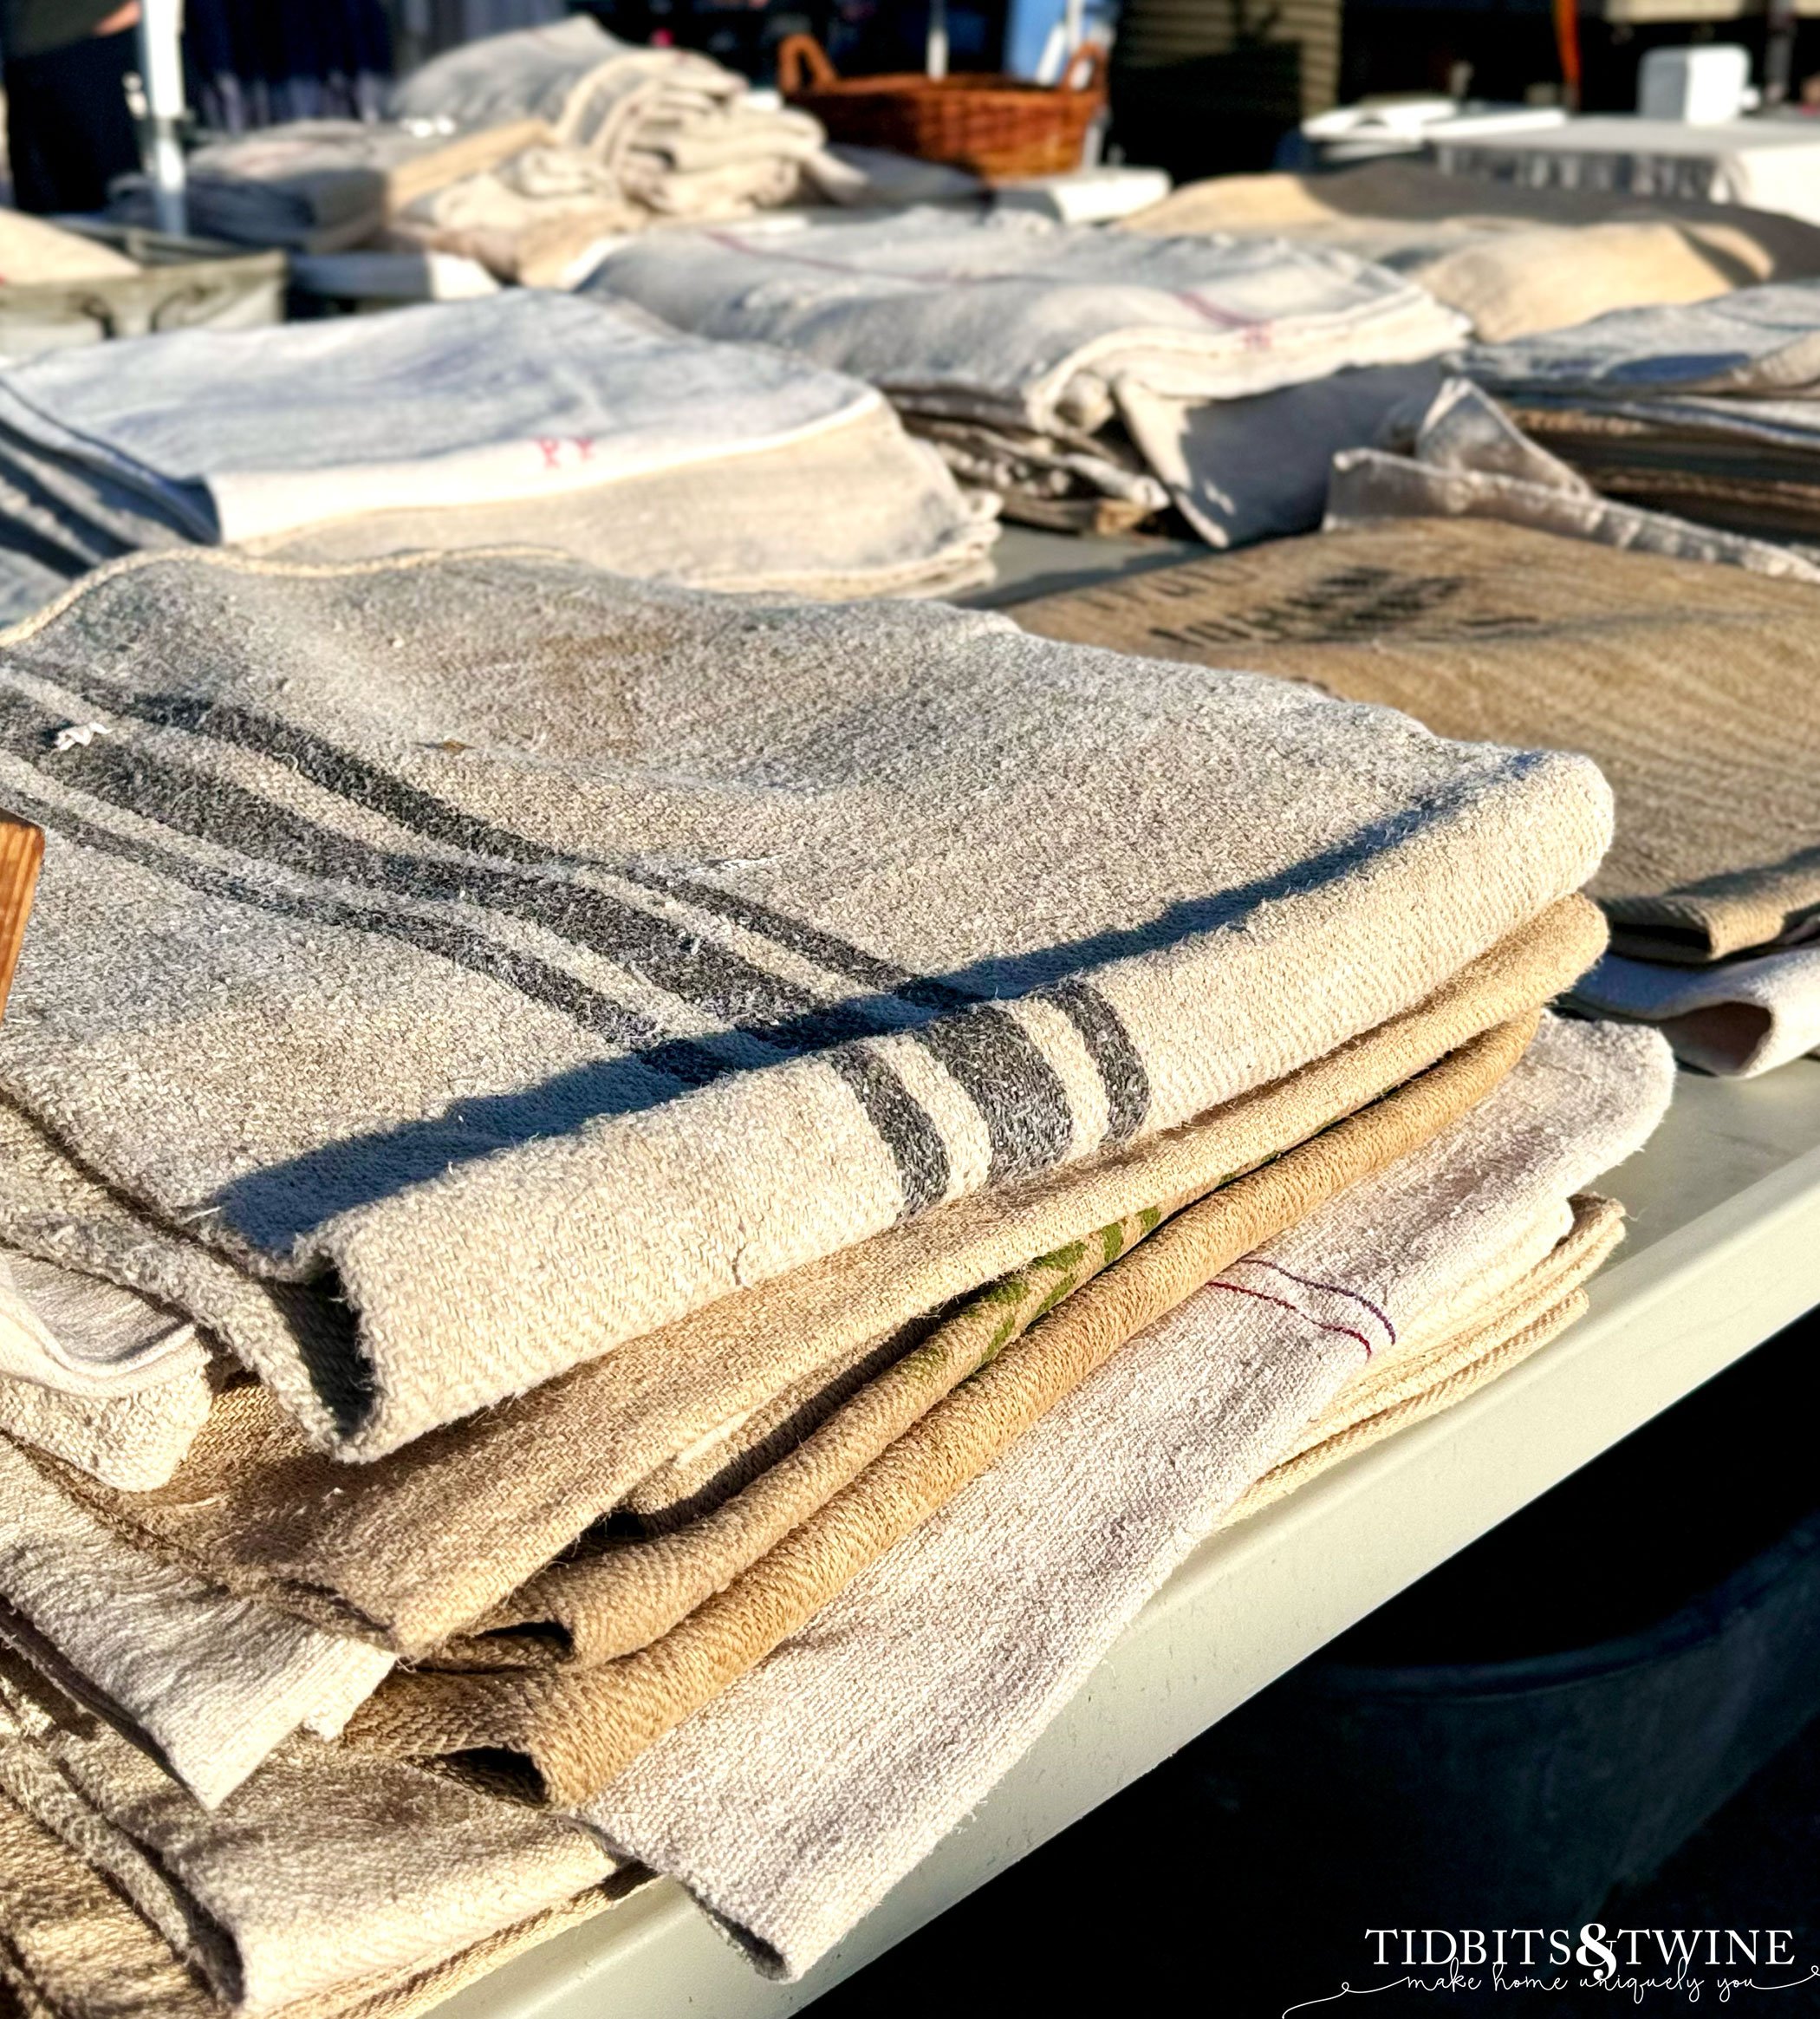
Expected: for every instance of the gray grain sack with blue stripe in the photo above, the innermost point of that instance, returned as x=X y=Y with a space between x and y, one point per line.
x=481 y=961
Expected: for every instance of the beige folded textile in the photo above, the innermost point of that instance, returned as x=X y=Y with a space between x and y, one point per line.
x=1738 y=1018
x=857 y=509
x=578 y=1727
x=791 y=1803
x=1465 y=458
x=322 y=1870
x=1408 y=1388
x=416 y=1547
x=209 y=1685
x=71 y=1947
x=1513 y=259
x=495 y=988
x=133 y=1442
x=32 y=250
x=1697 y=690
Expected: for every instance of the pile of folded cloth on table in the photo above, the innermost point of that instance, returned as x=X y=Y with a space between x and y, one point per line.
x=1711 y=410
x=1695 y=688
x=1462 y=456
x=525 y=416
x=324 y=185
x=678 y=135
x=1086 y=377
x=639 y=1153
x=1513 y=260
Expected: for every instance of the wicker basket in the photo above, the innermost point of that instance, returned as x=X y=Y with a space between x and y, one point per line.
x=1000 y=128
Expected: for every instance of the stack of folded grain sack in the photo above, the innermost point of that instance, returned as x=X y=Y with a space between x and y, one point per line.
x=1088 y=378
x=522 y=151
x=728 y=1186
x=526 y=416
x=1485 y=587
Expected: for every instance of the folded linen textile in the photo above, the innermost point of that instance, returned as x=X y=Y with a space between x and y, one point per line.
x=1015 y=323
x=681 y=135
x=794 y=1801
x=859 y=509
x=1708 y=410
x=518 y=395
x=1513 y=260
x=1463 y=457
x=412 y=1549
x=716 y=1618
x=72 y=1948
x=1693 y=687
x=1738 y=1019
x=209 y=1684
x=1394 y=1394
x=322 y=1871
x=538 y=218
x=82 y=1335
x=133 y=1441
x=321 y=185
x=33 y=250
x=590 y=1014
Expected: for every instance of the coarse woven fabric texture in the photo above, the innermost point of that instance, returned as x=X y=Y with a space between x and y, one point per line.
x=1513 y=260
x=413 y=1548
x=1041 y=333
x=132 y=1442
x=209 y=1684
x=792 y=1803
x=82 y=1336
x=1738 y=1019
x=859 y=509
x=319 y=1872
x=577 y=1727
x=530 y=394
x=1465 y=457
x=71 y=1947
x=619 y=1599
x=1695 y=688
x=505 y=986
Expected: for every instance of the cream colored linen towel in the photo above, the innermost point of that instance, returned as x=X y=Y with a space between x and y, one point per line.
x=504 y=986
x=1738 y=1019
x=792 y=1803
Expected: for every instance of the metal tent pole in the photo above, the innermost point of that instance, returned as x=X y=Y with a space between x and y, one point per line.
x=160 y=46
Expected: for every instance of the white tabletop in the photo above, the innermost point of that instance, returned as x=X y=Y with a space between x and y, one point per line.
x=1724 y=1250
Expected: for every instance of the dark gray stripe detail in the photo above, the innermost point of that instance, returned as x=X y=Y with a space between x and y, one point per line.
x=1108 y=1045
x=1018 y=1093
x=675 y=1058
x=363 y=784
x=903 y=1123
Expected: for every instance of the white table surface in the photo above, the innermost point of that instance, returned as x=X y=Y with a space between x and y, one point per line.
x=1724 y=1250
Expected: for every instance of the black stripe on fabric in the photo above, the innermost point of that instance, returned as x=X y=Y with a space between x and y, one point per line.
x=1018 y=1093
x=363 y=784
x=550 y=987
x=196 y=802
x=902 y=1123
x=1120 y=1065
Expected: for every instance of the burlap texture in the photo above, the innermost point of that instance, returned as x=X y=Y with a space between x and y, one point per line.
x=505 y=986
x=413 y=1548
x=322 y=1871
x=133 y=1441
x=71 y=1947
x=791 y=1803
x=1696 y=689
x=1513 y=260
x=577 y=1727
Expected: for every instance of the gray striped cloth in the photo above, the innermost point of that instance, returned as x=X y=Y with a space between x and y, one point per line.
x=463 y=964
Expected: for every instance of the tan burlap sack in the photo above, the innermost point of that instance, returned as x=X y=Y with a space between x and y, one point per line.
x=520 y=959
x=1513 y=260
x=1697 y=689
x=575 y=1728
x=416 y=1547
